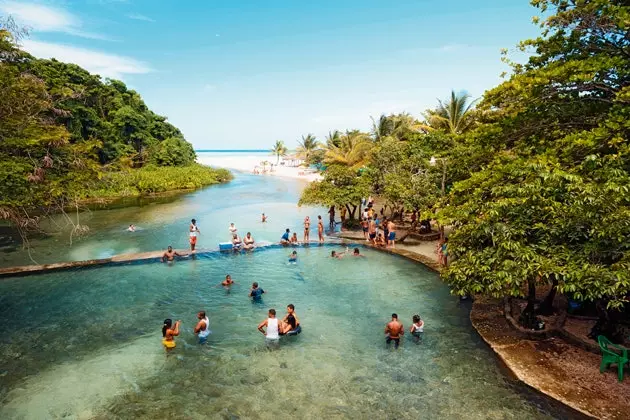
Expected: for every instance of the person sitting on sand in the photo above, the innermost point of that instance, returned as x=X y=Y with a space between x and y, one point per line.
x=294 y=239
x=169 y=254
x=168 y=333
x=248 y=241
x=284 y=240
x=131 y=228
x=228 y=281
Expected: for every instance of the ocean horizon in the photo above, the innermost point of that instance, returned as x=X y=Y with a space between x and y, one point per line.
x=233 y=150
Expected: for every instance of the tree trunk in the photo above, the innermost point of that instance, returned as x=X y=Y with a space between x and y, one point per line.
x=546 y=307
x=528 y=317
x=353 y=212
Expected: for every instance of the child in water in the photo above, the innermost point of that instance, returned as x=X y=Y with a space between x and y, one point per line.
x=293 y=257
x=417 y=328
x=168 y=333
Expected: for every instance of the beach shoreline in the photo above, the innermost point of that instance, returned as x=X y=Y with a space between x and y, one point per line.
x=246 y=162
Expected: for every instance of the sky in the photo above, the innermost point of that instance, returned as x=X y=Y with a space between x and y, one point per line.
x=241 y=74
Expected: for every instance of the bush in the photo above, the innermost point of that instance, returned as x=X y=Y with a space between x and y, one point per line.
x=156 y=179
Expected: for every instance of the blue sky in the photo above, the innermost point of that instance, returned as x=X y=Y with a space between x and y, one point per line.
x=244 y=73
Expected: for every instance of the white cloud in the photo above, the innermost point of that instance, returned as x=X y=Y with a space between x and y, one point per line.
x=105 y=64
x=42 y=18
x=137 y=16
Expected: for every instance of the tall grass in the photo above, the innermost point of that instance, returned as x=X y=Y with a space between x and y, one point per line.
x=156 y=179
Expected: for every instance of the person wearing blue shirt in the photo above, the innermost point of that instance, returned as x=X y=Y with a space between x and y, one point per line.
x=256 y=292
x=285 y=238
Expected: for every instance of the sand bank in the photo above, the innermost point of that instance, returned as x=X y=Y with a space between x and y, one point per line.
x=247 y=163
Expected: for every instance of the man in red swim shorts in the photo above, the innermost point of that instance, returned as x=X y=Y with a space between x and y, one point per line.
x=194 y=231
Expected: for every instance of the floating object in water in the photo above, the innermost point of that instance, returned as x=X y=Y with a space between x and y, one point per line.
x=295 y=331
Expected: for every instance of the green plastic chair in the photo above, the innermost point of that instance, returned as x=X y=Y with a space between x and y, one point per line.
x=610 y=357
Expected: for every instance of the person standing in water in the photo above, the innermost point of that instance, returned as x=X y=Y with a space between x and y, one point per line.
x=394 y=330
x=293 y=257
x=228 y=281
x=193 y=230
x=320 y=229
x=169 y=254
x=264 y=218
x=417 y=328
x=256 y=292
x=372 y=230
x=202 y=329
x=168 y=332
x=272 y=334
x=307 y=229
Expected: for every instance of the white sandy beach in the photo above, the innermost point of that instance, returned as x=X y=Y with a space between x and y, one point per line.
x=247 y=162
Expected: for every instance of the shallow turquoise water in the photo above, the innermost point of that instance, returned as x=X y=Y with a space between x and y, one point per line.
x=165 y=221
x=86 y=343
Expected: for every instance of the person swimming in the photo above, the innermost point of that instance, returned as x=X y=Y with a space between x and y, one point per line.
x=356 y=253
x=228 y=281
x=293 y=257
x=168 y=333
x=131 y=228
x=202 y=329
x=338 y=255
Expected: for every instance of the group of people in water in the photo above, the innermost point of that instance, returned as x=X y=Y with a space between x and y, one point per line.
x=394 y=330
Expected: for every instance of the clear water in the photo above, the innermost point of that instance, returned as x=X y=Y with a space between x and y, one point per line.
x=164 y=221
x=86 y=343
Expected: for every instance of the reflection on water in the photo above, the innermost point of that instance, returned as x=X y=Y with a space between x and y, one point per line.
x=164 y=221
x=86 y=343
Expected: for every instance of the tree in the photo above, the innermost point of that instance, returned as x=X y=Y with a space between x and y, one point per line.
x=307 y=146
x=398 y=126
x=353 y=150
x=279 y=149
x=333 y=139
x=342 y=187
x=552 y=205
x=453 y=116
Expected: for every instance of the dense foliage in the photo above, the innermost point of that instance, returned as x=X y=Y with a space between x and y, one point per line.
x=65 y=134
x=535 y=178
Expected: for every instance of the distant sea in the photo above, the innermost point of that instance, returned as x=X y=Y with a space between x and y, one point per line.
x=232 y=150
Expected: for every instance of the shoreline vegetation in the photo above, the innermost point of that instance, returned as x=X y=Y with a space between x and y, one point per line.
x=153 y=180
x=70 y=138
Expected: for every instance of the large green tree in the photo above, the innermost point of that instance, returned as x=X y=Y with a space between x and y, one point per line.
x=553 y=204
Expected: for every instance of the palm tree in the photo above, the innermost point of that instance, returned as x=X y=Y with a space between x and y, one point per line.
x=279 y=149
x=333 y=139
x=453 y=116
x=353 y=150
x=396 y=126
x=307 y=146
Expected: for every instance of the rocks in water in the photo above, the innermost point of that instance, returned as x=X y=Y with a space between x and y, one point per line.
x=283 y=365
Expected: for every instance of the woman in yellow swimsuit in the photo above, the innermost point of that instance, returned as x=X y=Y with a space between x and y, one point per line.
x=168 y=333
